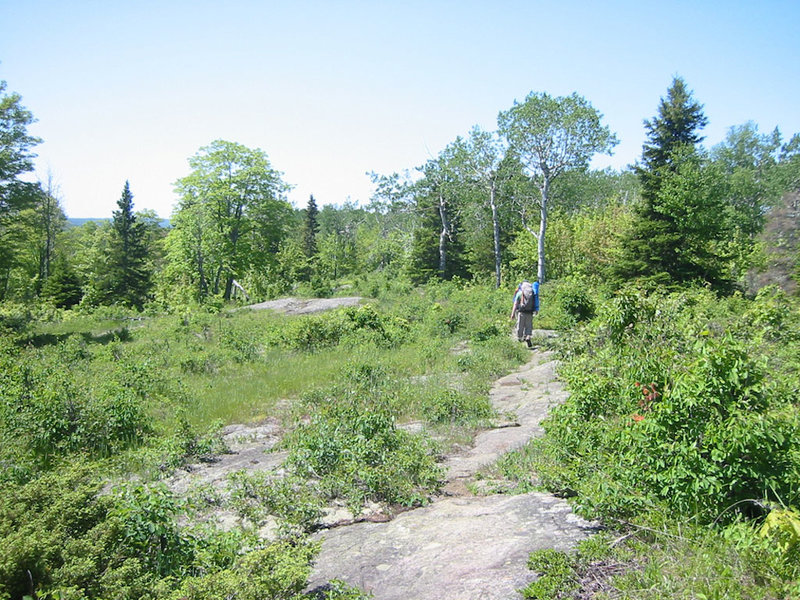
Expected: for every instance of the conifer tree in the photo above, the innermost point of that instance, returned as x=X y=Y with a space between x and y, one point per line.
x=678 y=231
x=311 y=228
x=129 y=273
x=675 y=129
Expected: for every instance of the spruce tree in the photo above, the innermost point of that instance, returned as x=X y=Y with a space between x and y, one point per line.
x=129 y=273
x=311 y=229
x=425 y=259
x=674 y=130
x=678 y=230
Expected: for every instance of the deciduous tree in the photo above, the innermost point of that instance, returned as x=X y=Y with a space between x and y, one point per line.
x=231 y=216
x=481 y=157
x=16 y=159
x=551 y=136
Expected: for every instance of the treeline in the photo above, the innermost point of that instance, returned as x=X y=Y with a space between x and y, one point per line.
x=492 y=205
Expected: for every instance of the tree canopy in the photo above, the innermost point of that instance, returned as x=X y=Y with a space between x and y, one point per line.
x=231 y=217
x=551 y=136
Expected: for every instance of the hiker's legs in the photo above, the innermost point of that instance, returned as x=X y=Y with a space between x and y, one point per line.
x=524 y=326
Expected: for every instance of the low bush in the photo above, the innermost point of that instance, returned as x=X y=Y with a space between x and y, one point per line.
x=452 y=406
x=655 y=557
x=669 y=404
x=357 y=453
x=256 y=496
x=61 y=537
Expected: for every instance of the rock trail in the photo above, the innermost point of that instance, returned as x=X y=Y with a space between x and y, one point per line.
x=463 y=547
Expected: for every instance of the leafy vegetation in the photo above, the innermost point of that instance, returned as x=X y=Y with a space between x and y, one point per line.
x=121 y=358
x=681 y=404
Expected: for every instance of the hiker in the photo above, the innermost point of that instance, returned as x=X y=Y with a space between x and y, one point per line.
x=526 y=304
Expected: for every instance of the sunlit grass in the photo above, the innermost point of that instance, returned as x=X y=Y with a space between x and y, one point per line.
x=241 y=393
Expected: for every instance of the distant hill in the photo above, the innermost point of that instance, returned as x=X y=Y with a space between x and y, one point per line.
x=74 y=222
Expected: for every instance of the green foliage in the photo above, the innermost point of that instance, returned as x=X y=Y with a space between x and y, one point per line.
x=347 y=325
x=14 y=318
x=338 y=590
x=771 y=315
x=556 y=575
x=550 y=136
x=451 y=406
x=122 y=271
x=783 y=524
x=673 y=401
x=310 y=228
x=129 y=544
x=573 y=300
x=135 y=393
x=256 y=496
x=278 y=572
x=16 y=159
x=147 y=516
x=46 y=412
x=231 y=220
x=64 y=287
x=358 y=454
x=655 y=558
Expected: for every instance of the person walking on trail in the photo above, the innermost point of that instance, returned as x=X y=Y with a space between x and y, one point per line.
x=525 y=306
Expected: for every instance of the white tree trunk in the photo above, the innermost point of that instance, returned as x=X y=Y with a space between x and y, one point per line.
x=496 y=228
x=540 y=272
x=443 y=235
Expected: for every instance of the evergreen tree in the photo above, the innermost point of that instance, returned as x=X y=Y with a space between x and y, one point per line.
x=679 y=232
x=63 y=287
x=429 y=243
x=674 y=129
x=128 y=280
x=311 y=229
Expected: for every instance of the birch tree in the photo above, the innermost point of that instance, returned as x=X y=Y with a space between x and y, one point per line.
x=551 y=136
x=482 y=157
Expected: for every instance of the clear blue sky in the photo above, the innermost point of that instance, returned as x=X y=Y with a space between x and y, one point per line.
x=333 y=89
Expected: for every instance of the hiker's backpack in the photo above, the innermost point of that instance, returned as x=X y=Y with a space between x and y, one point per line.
x=528 y=300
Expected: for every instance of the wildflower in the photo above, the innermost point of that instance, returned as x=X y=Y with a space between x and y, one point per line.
x=637 y=417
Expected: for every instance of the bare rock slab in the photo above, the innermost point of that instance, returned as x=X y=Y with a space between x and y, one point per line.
x=305 y=306
x=464 y=548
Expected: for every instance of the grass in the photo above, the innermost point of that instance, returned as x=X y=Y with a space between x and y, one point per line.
x=237 y=367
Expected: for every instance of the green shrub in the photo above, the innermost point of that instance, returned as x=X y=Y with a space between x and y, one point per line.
x=557 y=578
x=14 y=318
x=771 y=315
x=574 y=302
x=358 y=454
x=451 y=406
x=680 y=409
x=49 y=409
x=256 y=496
x=79 y=543
x=278 y=572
